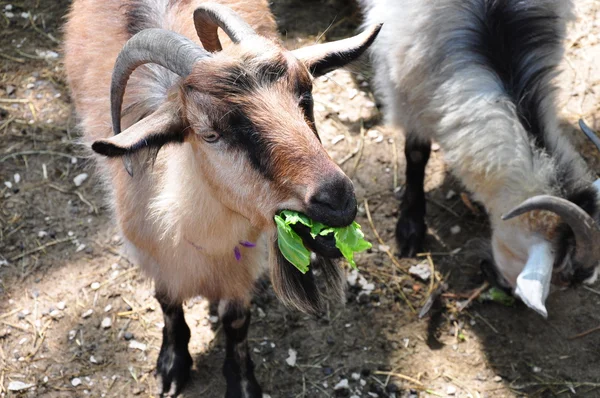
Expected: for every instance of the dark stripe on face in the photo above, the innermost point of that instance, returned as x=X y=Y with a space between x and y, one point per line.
x=517 y=39
x=238 y=131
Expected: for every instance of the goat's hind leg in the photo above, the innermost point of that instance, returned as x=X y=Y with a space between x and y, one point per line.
x=238 y=368
x=174 y=360
x=411 y=227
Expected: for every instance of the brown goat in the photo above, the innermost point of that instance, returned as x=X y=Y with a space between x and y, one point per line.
x=197 y=214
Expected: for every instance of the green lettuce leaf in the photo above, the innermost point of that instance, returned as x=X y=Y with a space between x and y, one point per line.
x=348 y=240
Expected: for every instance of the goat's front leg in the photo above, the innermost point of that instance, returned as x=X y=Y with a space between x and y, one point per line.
x=174 y=361
x=238 y=368
x=411 y=228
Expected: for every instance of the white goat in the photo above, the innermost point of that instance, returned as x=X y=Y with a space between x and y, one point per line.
x=198 y=215
x=476 y=76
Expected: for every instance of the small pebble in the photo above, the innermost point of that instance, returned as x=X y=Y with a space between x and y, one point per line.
x=343 y=384
x=451 y=194
x=72 y=334
x=292 y=356
x=55 y=314
x=108 y=308
x=87 y=314
x=497 y=379
x=8 y=184
x=61 y=305
x=18 y=386
x=451 y=390
x=95 y=286
x=106 y=323
x=422 y=271
x=128 y=336
x=76 y=382
x=536 y=369
x=136 y=345
x=79 y=179
x=17 y=178
x=45 y=379
x=355 y=376
x=455 y=230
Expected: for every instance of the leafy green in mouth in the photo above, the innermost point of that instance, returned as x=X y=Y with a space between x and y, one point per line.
x=348 y=240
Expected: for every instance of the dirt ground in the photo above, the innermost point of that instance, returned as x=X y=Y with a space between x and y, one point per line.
x=78 y=319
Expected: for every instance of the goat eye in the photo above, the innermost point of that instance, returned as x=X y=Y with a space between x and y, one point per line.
x=211 y=137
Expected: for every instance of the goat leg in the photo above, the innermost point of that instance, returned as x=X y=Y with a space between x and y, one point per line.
x=411 y=227
x=174 y=360
x=238 y=368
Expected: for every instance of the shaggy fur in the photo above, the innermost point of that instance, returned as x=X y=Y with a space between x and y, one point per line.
x=476 y=76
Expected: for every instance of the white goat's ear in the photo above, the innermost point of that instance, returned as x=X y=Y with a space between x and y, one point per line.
x=533 y=283
x=161 y=127
x=323 y=58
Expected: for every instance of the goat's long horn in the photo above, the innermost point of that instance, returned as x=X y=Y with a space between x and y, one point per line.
x=587 y=234
x=589 y=133
x=165 y=48
x=209 y=16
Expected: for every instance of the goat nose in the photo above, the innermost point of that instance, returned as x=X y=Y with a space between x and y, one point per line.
x=333 y=202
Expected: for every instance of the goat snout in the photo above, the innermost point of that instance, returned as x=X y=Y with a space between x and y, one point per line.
x=332 y=202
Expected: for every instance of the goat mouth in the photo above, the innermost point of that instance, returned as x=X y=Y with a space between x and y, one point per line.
x=321 y=245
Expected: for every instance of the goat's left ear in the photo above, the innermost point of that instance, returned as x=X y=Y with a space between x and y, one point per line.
x=323 y=58
x=161 y=127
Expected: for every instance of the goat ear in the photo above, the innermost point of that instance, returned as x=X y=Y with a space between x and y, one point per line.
x=323 y=58
x=161 y=127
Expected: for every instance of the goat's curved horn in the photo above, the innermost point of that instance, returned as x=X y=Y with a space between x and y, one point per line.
x=589 y=133
x=587 y=234
x=208 y=17
x=165 y=48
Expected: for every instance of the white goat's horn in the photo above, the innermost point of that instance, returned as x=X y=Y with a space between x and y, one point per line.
x=589 y=133
x=587 y=234
x=209 y=16
x=165 y=48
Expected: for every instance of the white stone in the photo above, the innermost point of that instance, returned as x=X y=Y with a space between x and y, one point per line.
x=61 y=305
x=79 y=179
x=87 y=314
x=421 y=271
x=292 y=356
x=76 y=382
x=451 y=390
x=55 y=314
x=451 y=194
x=355 y=376
x=93 y=359
x=18 y=386
x=95 y=286
x=17 y=178
x=455 y=230
x=72 y=334
x=136 y=345
x=106 y=323
x=108 y=308
x=8 y=184
x=343 y=384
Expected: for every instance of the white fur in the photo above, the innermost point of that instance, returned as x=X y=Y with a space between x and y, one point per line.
x=432 y=89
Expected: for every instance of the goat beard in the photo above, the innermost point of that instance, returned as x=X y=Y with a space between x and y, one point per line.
x=310 y=291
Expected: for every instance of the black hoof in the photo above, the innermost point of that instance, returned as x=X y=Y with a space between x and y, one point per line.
x=410 y=234
x=172 y=371
x=249 y=389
